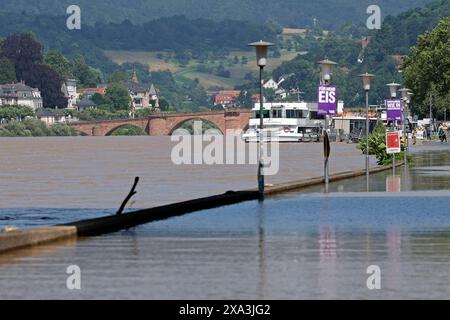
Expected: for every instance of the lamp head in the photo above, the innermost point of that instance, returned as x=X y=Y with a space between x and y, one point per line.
x=325 y=69
x=262 y=48
x=393 y=89
x=366 y=79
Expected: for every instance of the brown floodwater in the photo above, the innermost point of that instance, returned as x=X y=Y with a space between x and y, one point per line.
x=97 y=172
x=301 y=245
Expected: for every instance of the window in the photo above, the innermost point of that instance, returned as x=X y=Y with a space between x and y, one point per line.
x=315 y=116
x=266 y=114
x=277 y=113
x=298 y=114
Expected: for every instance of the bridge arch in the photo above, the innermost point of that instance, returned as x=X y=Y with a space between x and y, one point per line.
x=180 y=123
x=133 y=129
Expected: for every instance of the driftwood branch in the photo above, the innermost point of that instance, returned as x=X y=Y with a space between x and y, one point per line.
x=130 y=195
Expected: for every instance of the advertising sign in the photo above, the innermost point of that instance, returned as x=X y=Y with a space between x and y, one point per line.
x=393 y=142
x=327 y=100
x=394 y=109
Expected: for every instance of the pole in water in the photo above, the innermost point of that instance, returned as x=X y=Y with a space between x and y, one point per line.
x=261 y=137
x=326 y=152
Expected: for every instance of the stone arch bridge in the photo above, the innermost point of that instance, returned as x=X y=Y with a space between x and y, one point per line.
x=164 y=124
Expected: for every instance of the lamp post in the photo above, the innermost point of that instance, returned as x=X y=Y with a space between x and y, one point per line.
x=262 y=48
x=366 y=79
x=431 y=116
x=393 y=87
x=325 y=77
x=406 y=97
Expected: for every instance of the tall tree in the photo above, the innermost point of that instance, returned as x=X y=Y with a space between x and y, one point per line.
x=59 y=63
x=49 y=83
x=118 y=97
x=427 y=68
x=7 y=71
x=83 y=73
x=24 y=51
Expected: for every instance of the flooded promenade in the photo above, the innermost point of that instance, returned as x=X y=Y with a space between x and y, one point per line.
x=300 y=245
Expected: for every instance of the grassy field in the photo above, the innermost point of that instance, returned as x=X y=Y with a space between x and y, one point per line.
x=238 y=71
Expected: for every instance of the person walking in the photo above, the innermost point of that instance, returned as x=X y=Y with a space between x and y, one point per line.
x=442 y=135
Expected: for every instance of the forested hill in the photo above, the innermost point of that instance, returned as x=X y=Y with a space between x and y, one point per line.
x=198 y=37
x=396 y=36
x=399 y=33
x=330 y=14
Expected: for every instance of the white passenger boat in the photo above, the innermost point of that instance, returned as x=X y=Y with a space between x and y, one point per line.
x=286 y=122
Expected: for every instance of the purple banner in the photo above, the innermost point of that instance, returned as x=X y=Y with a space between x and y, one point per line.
x=394 y=109
x=327 y=100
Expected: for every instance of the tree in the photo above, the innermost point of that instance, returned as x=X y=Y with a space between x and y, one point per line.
x=98 y=99
x=245 y=99
x=7 y=71
x=9 y=112
x=49 y=83
x=118 y=97
x=59 y=63
x=83 y=73
x=427 y=68
x=118 y=77
x=24 y=51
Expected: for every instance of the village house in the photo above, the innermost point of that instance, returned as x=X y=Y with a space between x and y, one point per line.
x=85 y=104
x=20 y=94
x=142 y=95
x=227 y=98
x=69 y=89
x=89 y=92
x=271 y=84
x=51 y=116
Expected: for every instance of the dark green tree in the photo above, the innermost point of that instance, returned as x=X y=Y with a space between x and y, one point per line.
x=7 y=71
x=118 y=97
x=427 y=68
x=58 y=62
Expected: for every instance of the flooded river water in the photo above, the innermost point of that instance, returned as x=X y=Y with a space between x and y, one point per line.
x=294 y=246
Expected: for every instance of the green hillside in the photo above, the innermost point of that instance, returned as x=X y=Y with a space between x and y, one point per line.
x=294 y=13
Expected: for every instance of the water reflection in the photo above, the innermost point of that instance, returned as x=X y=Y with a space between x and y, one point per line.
x=429 y=171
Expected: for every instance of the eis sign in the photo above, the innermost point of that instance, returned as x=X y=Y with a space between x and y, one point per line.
x=327 y=100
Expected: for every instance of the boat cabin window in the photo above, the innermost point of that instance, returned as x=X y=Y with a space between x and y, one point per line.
x=277 y=113
x=296 y=114
x=266 y=114
x=316 y=116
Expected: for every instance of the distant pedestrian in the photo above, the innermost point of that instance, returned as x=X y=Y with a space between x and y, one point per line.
x=442 y=135
x=414 y=137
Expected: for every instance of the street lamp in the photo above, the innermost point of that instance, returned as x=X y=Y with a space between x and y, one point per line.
x=406 y=97
x=262 y=48
x=393 y=87
x=325 y=77
x=366 y=79
x=325 y=70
